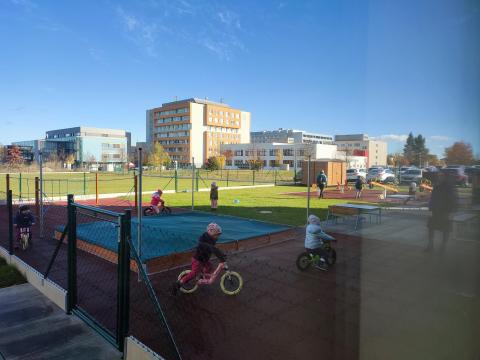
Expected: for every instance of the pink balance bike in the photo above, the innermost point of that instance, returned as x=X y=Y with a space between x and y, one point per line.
x=231 y=282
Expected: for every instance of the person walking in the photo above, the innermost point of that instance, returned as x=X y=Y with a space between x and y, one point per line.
x=321 y=183
x=358 y=187
x=214 y=196
x=443 y=202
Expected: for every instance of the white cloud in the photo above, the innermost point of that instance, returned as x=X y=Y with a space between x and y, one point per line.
x=142 y=34
x=439 y=138
x=392 y=137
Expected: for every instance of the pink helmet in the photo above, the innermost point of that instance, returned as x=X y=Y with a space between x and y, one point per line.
x=214 y=229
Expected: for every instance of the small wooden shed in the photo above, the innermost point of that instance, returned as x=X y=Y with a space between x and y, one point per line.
x=336 y=171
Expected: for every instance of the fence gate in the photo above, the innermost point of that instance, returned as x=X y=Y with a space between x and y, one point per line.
x=98 y=269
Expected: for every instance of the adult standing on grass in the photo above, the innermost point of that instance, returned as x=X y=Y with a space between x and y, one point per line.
x=321 y=183
x=214 y=196
x=358 y=187
x=443 y=202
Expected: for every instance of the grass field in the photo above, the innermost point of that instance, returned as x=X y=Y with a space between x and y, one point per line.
x=61 y=184
x=251 y=203
x=9 y=275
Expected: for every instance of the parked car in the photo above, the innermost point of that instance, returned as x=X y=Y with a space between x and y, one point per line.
x=457 y=173
x=381 y=175
x=353 y=174
x=412 y=175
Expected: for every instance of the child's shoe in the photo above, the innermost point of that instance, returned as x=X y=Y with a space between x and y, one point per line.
x=322 y=265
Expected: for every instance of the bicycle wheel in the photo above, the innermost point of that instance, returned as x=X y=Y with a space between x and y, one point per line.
x=166 y=210
x=332 y=256
x=148 y=212
x=231 y=283
x=303 y=261
x=190 y=286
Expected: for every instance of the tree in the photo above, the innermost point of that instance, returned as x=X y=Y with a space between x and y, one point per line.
x=14 y=156
x=2 y=154
x=70 y=160
x=278 y=157
x=212 y=163
x=158 y=156
x=397 y=159
x=460 y=153
x=221 y=161
x=228 y=154
x=433 y=160
x=409 y=148
x=420 y=150
x=414 y=150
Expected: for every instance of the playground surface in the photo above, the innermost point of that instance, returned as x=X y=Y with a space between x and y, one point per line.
x=176 y=233
x=384 y=299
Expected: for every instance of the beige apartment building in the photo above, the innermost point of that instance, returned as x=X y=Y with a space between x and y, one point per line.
x=361 y=145
x=196 y=128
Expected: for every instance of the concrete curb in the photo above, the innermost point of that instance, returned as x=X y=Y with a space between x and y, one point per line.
x=46 y=286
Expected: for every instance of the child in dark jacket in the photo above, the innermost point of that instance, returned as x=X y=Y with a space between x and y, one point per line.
x=23 y=219
x=214 y=196
x=203 y=252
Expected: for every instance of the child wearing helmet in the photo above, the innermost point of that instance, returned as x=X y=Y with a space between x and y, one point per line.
x=204 y=250
x=23 y=219
x=315 y=238
x=156 y=200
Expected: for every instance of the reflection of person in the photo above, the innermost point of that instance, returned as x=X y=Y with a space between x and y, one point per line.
x=443 y=202
x=358 y=187
x=321 y=183
x=214 y=196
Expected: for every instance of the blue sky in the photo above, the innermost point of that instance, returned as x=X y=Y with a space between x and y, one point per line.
x=382 y=67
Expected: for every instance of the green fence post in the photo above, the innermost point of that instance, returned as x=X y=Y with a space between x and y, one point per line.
x=20 y=186
x=196 y=180
x=72 y=256
x=84 y=183
x=275 y=177
x=10 y=221
x=123 y=269
x=176 y=180
x=253 y=177
x=227 y=178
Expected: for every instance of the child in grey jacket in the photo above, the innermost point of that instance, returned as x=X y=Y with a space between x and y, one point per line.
x=315 y=239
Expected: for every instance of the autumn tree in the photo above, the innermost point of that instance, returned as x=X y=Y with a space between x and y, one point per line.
x=397 y=159
x=14 y=156
x=460 y=153
x=212 y=163
x=278 y=157
x=228 y=154
x=158 y=156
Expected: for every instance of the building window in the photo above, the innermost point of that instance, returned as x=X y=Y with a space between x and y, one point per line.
x=238 y=152
x=287 y=152
x=272 y=152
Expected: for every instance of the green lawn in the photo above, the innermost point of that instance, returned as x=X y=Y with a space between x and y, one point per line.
x=78 y=183
x=285 y=209
x=9 y=275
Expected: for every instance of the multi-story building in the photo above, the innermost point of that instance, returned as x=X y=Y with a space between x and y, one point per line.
x=361 y=145
x=278 y=155
x=85 y=144
x=89 y=145
x=196 y=128
x=289 y=136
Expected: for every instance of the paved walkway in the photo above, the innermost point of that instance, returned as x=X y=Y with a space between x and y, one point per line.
x=32 y=327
